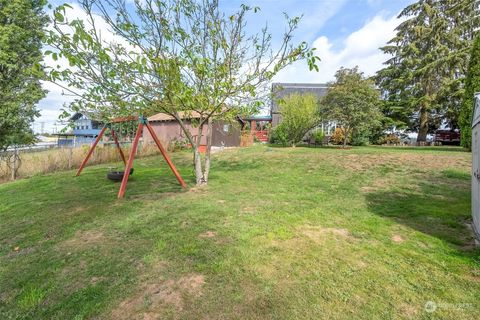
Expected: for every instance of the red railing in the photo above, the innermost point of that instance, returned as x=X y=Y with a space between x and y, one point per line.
x=262 y=135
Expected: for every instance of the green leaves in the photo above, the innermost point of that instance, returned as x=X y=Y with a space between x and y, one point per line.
x=299 y=115
x=58 y=16
x=472 y=86
x=352 y=101
x=428 y=65
x=20 y=61
x=312 y=60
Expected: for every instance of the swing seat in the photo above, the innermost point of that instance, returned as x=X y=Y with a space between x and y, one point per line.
x=117 y=175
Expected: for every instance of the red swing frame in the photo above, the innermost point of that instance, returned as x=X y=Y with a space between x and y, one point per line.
x=142 y=121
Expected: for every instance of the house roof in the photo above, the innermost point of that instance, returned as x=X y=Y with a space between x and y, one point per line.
x=90 y=115
x=281 y=90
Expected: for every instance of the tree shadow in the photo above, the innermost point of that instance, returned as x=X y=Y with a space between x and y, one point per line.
x=435 y=205
x=235 y=165
x=424 y=149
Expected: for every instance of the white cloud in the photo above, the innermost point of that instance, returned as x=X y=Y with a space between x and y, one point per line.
x=359 y=48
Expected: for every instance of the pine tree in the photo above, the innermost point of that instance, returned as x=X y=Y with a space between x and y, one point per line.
x=424 y=78
x=21 y=32
x=472 y=85
x=463 y=17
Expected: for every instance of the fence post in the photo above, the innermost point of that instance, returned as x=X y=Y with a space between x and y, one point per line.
x=14 y=164
x=70 y=155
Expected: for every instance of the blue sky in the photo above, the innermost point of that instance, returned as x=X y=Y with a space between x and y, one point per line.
x=345 y=33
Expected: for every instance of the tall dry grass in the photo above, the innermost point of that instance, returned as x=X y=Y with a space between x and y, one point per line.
x=58 y=159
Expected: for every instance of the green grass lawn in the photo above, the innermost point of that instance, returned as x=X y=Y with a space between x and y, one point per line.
x=279 y=233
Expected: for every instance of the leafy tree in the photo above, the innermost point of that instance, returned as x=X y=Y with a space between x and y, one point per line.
x=178 y=57
x=352 y=101
x=299 y=115
x=472 y=85
x=21 y=32
x=424 y=78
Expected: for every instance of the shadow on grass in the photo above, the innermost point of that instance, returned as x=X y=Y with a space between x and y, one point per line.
x=426 y=148
x=438 y=206
x=306 y=146
x=378 y=147
x=235 y=165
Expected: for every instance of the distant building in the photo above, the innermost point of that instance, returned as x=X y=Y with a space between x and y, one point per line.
x=282 y=90
x=84 y=130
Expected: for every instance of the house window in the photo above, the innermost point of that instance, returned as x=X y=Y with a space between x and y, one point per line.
x=226 y=128
x=81 y=127
x=86 y=127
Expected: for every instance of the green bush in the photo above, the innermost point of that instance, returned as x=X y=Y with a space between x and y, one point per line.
x=319 y=135
x=299 y=116
x=279 y=135
x=472 y=85
x=360 y=137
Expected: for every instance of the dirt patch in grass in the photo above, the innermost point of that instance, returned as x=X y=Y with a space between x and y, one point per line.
x=248 y=210
x=398 y=238
x=84 y=239
x=409 y=311
x=362 y=162
x=376 y=185
x=208 y=234
x=156 y=298
x=153 y=196
x=319 y=234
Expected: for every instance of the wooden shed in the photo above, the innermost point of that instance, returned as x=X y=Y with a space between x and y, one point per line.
x=224 y=133
x=476 y=166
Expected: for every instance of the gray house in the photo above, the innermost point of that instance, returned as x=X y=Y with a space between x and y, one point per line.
x=281 y=90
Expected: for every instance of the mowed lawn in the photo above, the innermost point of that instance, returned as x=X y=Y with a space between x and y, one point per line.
x=279 y=233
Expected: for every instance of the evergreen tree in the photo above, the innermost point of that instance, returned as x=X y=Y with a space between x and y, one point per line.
x=21 y=32
x=472 y=85
x=424 y=78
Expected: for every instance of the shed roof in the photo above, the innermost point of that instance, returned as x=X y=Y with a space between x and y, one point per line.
x=166 y=117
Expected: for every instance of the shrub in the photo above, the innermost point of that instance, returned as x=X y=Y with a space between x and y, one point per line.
x=178 y=144
x=391 y=139
x=299 y=115
x=279 y=135
x=319 y=135
x=472 y=85
x=360 y=137
x=338 y=136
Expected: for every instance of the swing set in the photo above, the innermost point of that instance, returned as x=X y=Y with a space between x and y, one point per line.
x=142 y=121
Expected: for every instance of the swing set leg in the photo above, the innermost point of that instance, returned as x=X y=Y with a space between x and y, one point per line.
x=115 y=138
x=165 y=155
x=128 y=167
x=89 y=154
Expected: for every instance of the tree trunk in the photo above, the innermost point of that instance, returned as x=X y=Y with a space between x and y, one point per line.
x=208 y=151
x=197 y=159
x=423 y=129
x=345 y=132
x=202 y=169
